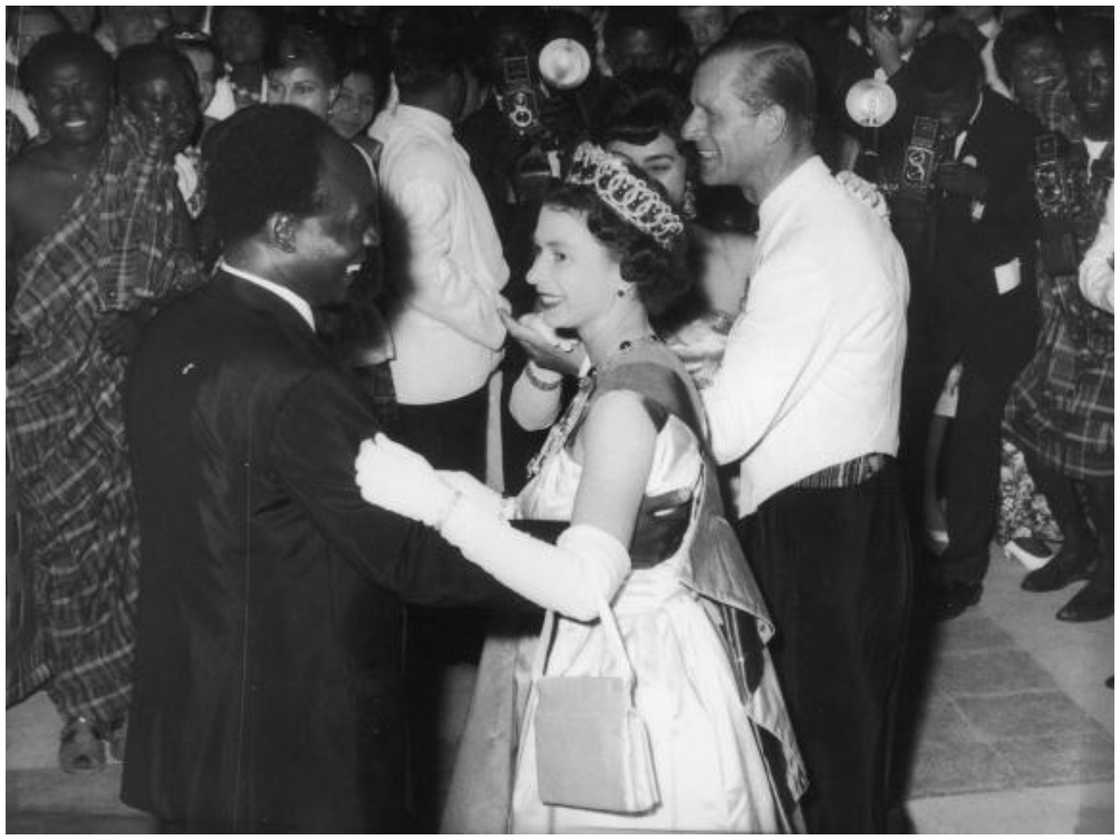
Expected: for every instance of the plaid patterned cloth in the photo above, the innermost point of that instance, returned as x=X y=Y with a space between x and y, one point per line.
x=124 y=239
x=1061 y=406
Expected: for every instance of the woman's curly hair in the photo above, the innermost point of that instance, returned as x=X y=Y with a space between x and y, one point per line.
x=662 y=276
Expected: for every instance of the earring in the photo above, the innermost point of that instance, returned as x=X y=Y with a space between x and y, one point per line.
x=688 y=205
x=621 y=292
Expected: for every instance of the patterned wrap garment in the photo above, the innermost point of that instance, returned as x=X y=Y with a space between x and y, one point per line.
x=1061 y=406
x=125 y=238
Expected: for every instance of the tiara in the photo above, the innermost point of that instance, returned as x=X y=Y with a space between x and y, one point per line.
x=631 y=198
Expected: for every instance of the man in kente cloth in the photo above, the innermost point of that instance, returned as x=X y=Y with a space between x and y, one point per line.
x=97 y=235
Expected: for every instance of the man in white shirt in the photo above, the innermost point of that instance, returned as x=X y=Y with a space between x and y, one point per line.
x=807 y=399
x=444 y=261
x=444 y=256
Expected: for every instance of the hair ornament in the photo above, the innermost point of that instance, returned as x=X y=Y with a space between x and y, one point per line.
x=631 y=198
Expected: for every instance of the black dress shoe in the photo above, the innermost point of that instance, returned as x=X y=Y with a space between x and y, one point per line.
x=953 y=599
x=1092 y=603
x=1059 y=573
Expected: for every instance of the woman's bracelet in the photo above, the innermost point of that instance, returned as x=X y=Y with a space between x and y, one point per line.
x=542 y=384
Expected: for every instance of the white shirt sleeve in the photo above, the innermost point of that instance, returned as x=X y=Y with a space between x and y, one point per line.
x=443 y=289
x=776 y=347
x=1096 y=274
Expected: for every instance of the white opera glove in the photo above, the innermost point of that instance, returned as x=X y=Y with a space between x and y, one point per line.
x=394 y=477
x=586 y=563
x=485 y=498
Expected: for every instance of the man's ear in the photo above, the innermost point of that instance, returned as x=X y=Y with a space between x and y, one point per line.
x=775 y=123
x=282 y=231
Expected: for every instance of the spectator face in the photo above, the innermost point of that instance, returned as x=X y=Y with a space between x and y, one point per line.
x=952 y=109
x=1036 y=69
x=240 y=35
x=133 y=25
x=300 y=85
x=206 y=71
x=913 y=26
x=574 y=275
x=31 y=25
x=80 y=18
x=638 y=49
x=71 y=100
x=1090 y=86
x=729 y=138
x=167 y=104
x=661 y=160
x=330 y=245
x=352 y=110
x=706 y=23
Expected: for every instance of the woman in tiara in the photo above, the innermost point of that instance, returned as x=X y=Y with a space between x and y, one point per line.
x=626 y=474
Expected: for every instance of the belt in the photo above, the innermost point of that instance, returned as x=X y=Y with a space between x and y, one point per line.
x=848 y=474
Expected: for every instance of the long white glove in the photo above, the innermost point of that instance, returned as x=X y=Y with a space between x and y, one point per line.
x=585 y=564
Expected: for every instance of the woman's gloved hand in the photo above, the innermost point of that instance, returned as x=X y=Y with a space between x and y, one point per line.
x=394 y=477
x=482 y=497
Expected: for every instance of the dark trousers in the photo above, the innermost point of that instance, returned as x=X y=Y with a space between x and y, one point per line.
x=452 y=436
x=835 y=567
x=1084 y=510
x=993 y=345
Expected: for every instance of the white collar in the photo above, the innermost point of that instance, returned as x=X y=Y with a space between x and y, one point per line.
x=990 y=28
x=436 y=123
x=283 y=292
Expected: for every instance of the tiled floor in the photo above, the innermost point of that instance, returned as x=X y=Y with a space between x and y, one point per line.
x=1010 y=730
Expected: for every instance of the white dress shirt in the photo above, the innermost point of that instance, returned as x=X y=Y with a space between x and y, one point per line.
x=1096 y=276
x=812 y=372
x=283 y=292
x=448 y=335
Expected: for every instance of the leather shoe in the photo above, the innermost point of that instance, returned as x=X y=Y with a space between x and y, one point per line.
x=953 y=599
x=1058 y=573
x=1092 y=603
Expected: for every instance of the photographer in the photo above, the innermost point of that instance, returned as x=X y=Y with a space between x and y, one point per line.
x=972 y=298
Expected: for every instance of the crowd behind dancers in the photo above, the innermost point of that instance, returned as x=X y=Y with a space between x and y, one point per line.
x=878 y=349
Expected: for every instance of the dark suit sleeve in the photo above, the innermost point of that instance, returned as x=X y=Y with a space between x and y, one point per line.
x=314 y=442
x=1010 y=222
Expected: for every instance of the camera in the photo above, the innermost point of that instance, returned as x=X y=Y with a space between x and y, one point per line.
x=919 y=163
x=518 y=98
x=886 y=17
x=1053 y=193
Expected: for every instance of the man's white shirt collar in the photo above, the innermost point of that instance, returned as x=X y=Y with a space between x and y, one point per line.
x=283 y=292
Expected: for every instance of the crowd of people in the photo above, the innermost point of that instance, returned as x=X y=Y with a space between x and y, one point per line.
x=345 y=342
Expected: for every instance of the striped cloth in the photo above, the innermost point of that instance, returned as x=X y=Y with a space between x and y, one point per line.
x=1062 y=405
x=125 y=238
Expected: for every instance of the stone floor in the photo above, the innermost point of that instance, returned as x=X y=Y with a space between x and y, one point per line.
x=1011 y=730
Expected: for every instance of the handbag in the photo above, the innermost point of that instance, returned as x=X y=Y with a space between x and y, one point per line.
x=593 y=750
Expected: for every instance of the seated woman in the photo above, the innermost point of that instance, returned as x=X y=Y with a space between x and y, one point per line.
x=625 y=476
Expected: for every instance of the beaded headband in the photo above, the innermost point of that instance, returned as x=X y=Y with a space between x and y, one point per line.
x=631 y=199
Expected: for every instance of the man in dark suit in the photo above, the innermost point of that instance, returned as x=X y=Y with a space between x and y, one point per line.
x=268 y=693
x=973 y=300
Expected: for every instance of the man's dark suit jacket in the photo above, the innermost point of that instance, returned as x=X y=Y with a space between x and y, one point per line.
x=956 y=310
x=267 y=686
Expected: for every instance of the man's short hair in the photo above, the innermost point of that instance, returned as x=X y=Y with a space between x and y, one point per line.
x=945 y=63
x=1083 y=33
x=141 y=62
x=265 y=159
x=59 y=47
x=774 y=71
x=298 y=46
x=428 y=50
